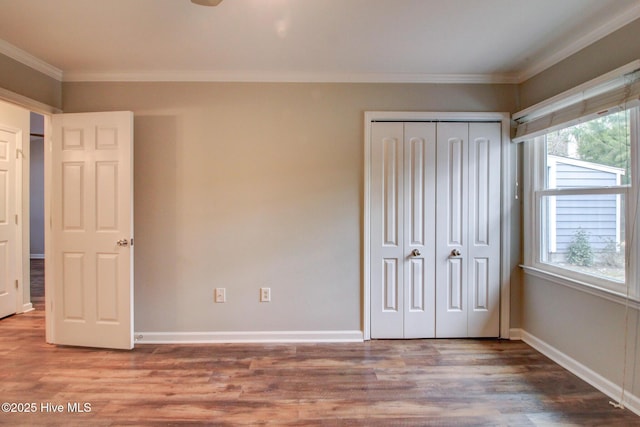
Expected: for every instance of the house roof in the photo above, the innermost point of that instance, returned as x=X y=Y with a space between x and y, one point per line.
x=500 y=41
x=587 y=165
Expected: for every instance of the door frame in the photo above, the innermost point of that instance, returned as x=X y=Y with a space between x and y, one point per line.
x=24 y=210
x=508 y=189
x=23 y=275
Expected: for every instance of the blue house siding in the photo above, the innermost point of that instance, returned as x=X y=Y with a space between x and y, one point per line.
x=597 y=215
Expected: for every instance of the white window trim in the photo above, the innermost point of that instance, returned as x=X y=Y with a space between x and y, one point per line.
x=533 y=174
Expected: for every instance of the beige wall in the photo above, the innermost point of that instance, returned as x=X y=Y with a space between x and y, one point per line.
x=609 y=53
x=249 y=185
x=25 y=81
x=587 y=328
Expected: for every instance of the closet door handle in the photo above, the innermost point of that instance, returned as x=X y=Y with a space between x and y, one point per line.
x=455 y=253
x=123 y=243
x=415 y=252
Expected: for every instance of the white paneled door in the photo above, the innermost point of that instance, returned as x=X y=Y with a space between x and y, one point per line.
x=92 y=230
x=468 y=231
x=402 y=230
x=435 y=229
x=8 y=225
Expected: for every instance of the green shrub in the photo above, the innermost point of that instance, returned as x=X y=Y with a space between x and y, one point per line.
x=580 y=252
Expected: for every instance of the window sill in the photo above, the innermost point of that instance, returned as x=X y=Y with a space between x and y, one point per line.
x=582 y=286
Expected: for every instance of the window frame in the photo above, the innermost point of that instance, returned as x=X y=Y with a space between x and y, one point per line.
x=534 y=175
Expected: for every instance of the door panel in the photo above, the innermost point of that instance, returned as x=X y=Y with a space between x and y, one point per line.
x=390 y=187
x=8 y=228
x=484 y=212
x=390 y=286
x=403 y=222
x=452 y=230
x=92 y=224
x=387 y=213
x=454 y=178
x=419 y=229
x=468 y=235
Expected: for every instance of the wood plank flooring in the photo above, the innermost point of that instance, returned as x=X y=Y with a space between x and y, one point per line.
x=377 y=383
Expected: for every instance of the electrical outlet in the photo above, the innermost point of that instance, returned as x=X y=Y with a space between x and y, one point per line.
x=265 y=294
x=220 y=295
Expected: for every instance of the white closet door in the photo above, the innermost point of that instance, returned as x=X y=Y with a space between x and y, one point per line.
x=387 y=245
x=452 y=230
x=419 y=229
x=484 y=228
x=402 y=230
x=468 y=230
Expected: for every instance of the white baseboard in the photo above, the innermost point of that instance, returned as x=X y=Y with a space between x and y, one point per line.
x=247 y=337
x=515 y=334
x=614 y=391
x=27 y=307
x=36 y=256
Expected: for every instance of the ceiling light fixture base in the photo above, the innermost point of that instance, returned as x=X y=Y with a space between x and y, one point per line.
x=206 y=2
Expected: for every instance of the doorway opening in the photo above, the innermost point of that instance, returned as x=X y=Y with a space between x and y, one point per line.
x=36 y=204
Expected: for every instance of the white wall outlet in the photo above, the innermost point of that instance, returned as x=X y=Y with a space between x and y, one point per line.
x=220 y=295
x=265 y=294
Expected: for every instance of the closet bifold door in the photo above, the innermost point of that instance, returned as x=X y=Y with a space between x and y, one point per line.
x=468 y=230
x=419 y=229
x=484 y=227
x=402 y=230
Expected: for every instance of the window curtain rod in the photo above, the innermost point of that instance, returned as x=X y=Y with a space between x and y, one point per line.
x=619 y=89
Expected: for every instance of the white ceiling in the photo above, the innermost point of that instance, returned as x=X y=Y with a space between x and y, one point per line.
x=304 y=40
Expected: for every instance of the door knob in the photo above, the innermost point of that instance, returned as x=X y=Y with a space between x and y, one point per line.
x=123 y=242
x=415 y=252
x=455 y=252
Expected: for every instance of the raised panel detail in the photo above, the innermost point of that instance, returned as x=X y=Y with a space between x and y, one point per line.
x=106 y=196
x=390 y=191
x=72 y=196
x=4 y=150
x=417 y=285
x=4 y=197
x=455 y=285
x=73 y=289
x=106 y=138
x=417 y=173
x=72 y=139
x=390 y=285
x=107 y=287
x=482 y=191
x=481 y=283
x=455 y=191
x=4 y=268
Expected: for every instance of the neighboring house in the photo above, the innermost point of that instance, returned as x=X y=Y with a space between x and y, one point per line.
x=598 y=215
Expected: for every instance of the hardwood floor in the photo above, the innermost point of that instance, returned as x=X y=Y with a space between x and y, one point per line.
x=37 y=283
x=377 y=383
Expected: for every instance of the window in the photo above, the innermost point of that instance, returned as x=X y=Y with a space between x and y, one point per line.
x=581 y=189
x=581 y=208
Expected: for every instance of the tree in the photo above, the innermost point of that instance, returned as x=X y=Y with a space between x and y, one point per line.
x=605 y=140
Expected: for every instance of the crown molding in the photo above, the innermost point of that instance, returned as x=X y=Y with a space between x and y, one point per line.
x=272 y=77
x=615 y=24
x=29 y=60
x=37 y=64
